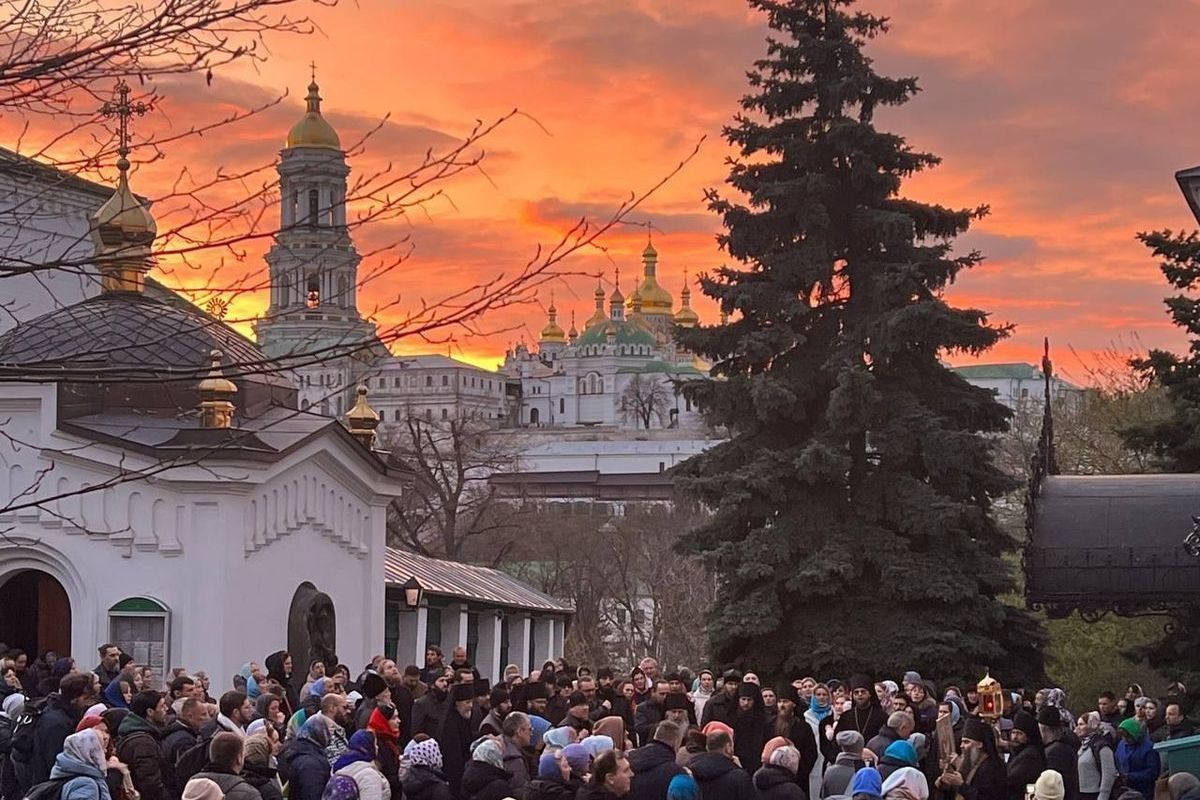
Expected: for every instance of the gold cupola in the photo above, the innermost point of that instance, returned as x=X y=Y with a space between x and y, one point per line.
x=598 y=316
x=686 y=316
x=655 y=299
x=572 y=334
x=313 y=130
x=216 y=395
x=362 y=420
x=616 y=301
x=122 y=230
x=553 y=332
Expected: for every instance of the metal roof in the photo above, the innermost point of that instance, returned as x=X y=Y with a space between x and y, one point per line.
x=468 y=582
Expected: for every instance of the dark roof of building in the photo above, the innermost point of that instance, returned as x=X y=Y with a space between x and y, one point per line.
x=587 y=484
x=468 y=582
x=1015 y=371
x=1112 y=541
x=128 y=335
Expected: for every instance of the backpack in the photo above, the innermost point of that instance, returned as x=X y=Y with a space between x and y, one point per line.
x=340 y=787
x=191 y=761
x=47 y=790
x=23 y=728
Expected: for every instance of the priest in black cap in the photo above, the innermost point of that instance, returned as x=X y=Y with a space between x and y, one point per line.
x=750 y=730
x=978 y=773
x=865 y=715
x=1061 y=749
x=675 y=709
x=1026 y=761
x=722 y=706
x=456 y=734
x=536 y=697
x=795 y=728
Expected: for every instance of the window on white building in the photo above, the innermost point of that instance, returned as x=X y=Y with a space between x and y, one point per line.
x=445 y=380
x=429 y=380
x=444 y=414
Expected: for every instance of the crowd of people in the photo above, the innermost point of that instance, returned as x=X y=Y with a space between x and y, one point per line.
x=440 y=731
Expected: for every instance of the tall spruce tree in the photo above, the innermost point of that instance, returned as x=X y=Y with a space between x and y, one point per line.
x=851 y=527
x=1176 y=438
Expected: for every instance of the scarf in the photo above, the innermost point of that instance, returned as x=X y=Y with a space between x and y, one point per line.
x=362 y=748
x=558 y=738
x=488 y=751
x=112 y=694
x=424 y=754
x=819 y=711
x=85 y=747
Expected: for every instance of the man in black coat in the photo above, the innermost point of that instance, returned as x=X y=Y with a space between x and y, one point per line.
x=456 y=734
x=1026 y=761
x=650 y=712
x=978 y=773
x=794 y=728
x=722 y=706
x=429 y=711
x=1061 y=749
x=181 y=735
x=865 y=714
x=62 y=713
x=654 y=763
x=750 y=731
x=718 y=775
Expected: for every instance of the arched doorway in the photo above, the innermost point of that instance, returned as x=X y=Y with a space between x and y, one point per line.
x=533 y=416
x=35 y=613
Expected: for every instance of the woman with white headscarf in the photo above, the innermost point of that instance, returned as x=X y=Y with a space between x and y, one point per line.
x=84 y=767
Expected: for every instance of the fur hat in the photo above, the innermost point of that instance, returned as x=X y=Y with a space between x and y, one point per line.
x=373 y=685
x=676 y=701
x=462 y=691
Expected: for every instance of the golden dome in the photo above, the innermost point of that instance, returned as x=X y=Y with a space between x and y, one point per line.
x=686 y=316
x=361 y=415
x=573 y=334
x=598 y=316
x=553 y=332
x=313 y=130
x=655 y=299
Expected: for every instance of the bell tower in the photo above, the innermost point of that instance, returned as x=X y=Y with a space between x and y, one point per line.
x=313 y=267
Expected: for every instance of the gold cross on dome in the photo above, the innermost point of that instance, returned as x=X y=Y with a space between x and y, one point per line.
x=122 y=109
x=313 y=66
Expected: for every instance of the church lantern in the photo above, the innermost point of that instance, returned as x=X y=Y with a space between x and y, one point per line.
x=216 y=396
x=362 y=420
x=991 y=698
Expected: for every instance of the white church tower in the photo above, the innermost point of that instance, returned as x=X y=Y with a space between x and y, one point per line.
x=313 y=324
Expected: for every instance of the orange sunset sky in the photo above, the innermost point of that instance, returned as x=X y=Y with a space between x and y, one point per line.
x=1068 y=118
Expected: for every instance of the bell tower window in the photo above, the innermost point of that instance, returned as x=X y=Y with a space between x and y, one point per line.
x=314 y=203
x=313 y=298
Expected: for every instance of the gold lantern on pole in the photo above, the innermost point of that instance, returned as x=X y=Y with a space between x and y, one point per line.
x=991 y=697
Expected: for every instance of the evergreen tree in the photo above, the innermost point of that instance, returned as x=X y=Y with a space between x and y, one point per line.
x=1176 y=438
x=851 y=526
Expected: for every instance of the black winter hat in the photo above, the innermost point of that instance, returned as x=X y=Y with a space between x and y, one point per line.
x=373 y=685
x=748 y=690
x=483 y=687
x=1050 y=717
x=788 y=692
x=462 y=691
x=731 y=676
x=676 y=700
x=535 y=691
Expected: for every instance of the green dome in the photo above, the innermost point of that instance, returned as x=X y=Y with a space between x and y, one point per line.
x=627 y=333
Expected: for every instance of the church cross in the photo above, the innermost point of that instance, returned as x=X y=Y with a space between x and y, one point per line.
x=122 y=109
x=313 y=66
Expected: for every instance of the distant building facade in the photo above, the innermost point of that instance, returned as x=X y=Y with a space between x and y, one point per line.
x=1015 y=384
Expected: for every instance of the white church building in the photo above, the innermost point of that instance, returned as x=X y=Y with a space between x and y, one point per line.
x=164 y=484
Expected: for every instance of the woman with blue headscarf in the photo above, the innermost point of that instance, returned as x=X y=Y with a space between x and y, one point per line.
x=307 y=765
x=485 y=777
x=358 y=763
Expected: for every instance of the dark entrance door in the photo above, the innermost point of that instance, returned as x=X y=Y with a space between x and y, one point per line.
x=35 y=613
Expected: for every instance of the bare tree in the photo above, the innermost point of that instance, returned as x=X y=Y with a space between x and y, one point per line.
x=644 y=400
x=452 y=501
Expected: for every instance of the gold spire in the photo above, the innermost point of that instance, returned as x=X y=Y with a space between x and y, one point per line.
x=122 y=229
x=362 y=420
x=572 y=334
x=216 y=396
x=686 y=316
x=655 y=299
x=616 y=300
x=635 y=302
x=552 y=332
x=313 y=130
x=598 y=316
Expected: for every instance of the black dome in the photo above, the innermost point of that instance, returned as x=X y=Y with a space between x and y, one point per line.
x=132 y=339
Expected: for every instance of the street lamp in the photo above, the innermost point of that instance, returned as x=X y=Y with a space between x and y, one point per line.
x=412 y=593
x=1189 y=184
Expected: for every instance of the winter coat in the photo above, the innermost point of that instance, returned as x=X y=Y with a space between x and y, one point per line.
x=370 y=781
x=425 y=783
x=177 y=739
x=777 y=783
x=839 y=774
x=546 y=789
x=879 y=743
x=428 y=713
x=1138 y=763
x=265 y=779
x=989 y=782
x=813 y=785
x=1097 y=769
x=721 y=707
x=868 y=722
x=455 y=739
x=653 y=768
x=482 y=781
x=84 y=781
x=234 y=787
x=590 y=792
x=1023 y=768
x=138 y=747
x=1061 y=756
x=719 y=777
x=802 y=738
x=646 y=719
x=515 y=764
x=307 y=770
x=56 y=723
